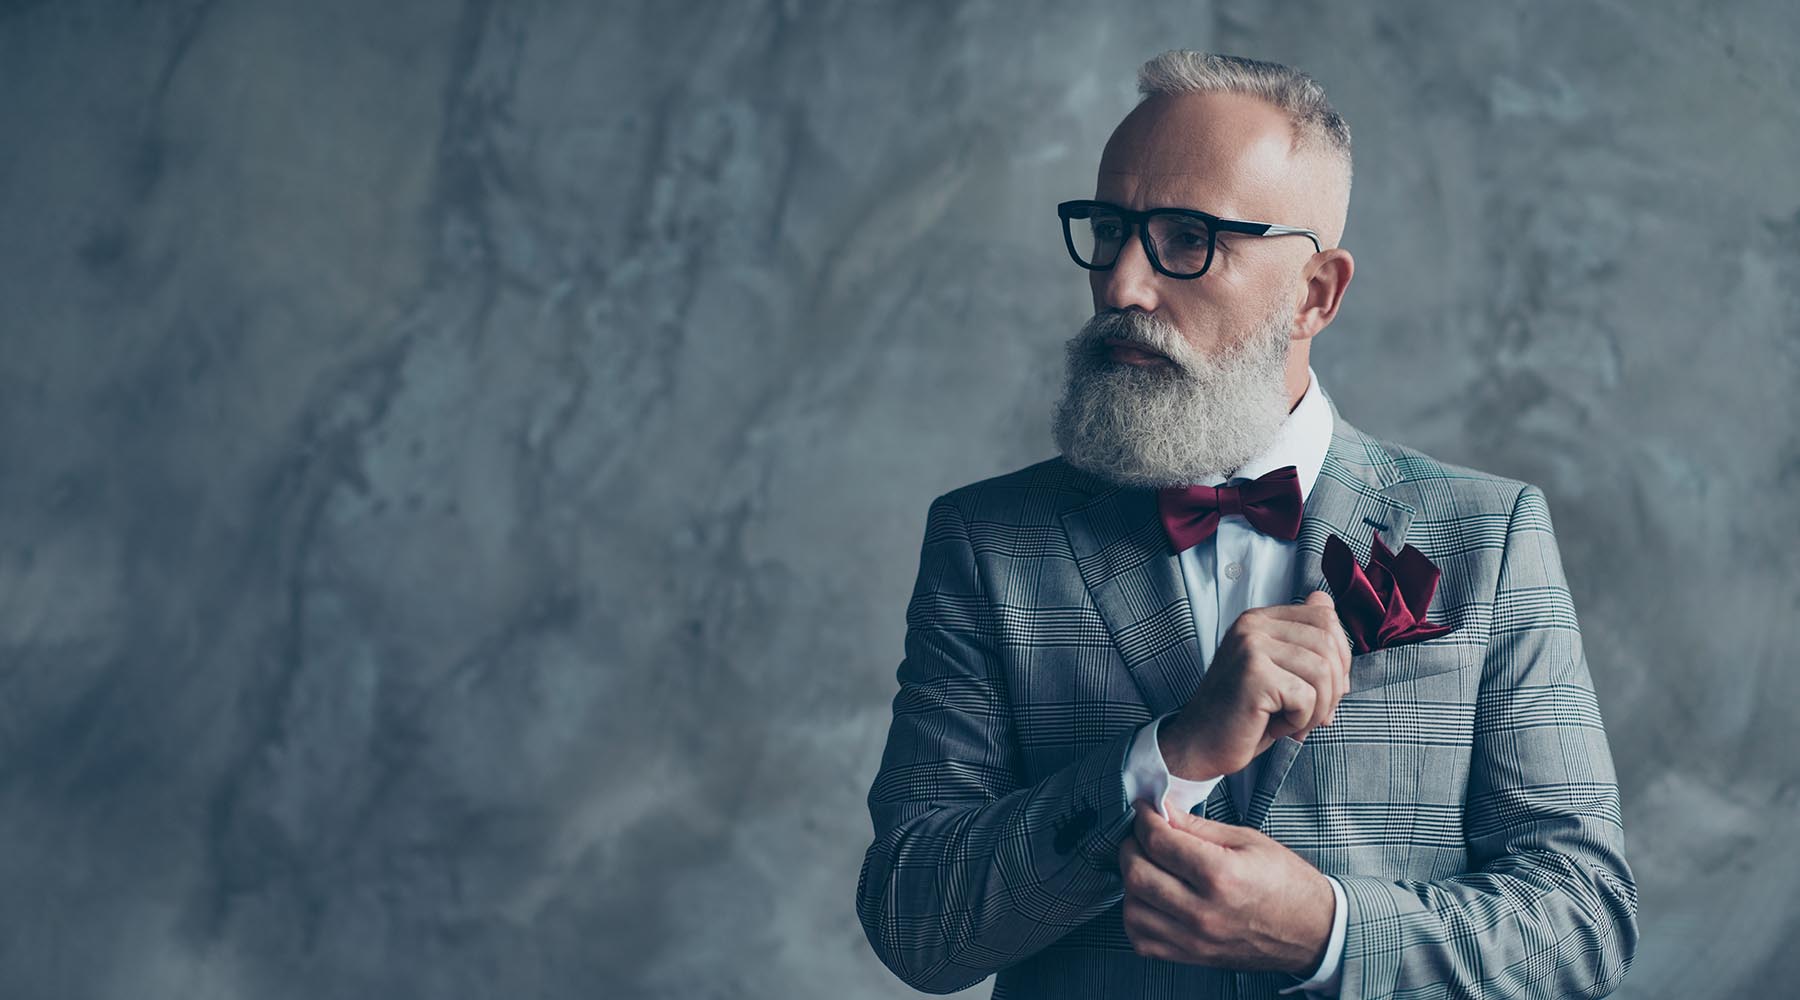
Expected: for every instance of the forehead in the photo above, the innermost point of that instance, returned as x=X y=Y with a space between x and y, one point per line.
x=1228 y=154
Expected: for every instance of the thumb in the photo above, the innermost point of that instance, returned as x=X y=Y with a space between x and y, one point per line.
x=1323 y=599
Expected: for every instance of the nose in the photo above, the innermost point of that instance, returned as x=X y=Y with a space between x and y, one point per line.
x=1130 y=283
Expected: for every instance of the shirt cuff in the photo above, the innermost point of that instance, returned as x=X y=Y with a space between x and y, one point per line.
x=1325 y=979
x=1147 y=776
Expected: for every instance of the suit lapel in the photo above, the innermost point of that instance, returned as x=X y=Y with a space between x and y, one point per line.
x=1135 y=581
x=1136 y=584
x=1347 y=500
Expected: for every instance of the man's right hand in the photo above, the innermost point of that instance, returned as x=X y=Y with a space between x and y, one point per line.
x=1279 y=671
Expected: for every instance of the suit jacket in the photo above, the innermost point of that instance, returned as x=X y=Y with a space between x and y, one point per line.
x=1465 y=794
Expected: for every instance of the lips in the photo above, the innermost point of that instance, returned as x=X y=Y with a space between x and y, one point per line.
x=1133 y=352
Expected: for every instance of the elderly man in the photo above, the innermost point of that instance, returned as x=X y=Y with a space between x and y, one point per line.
x=1230 y=698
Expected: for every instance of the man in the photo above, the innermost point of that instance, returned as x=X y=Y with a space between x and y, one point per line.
x=1099 y=643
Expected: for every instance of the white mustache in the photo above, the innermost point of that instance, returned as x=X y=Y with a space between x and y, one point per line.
x=1131 y=327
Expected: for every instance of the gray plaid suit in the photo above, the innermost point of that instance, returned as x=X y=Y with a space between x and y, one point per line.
x=1465 y=794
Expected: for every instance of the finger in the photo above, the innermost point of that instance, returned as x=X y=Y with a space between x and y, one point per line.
x=1326 y=639
x=1308 y=655
x=1149 y=826
x=1332 y=680
x=1339 y=666
x=1224 y=834
x=1153 y=932
x=1188 y=858
x=1299 y=630
x=1314 y=668
x=1319 y=611
x=1301 y=610
x=1325 y=662
x=1341 y=637
x=1146 y=813
x=1335 y=627
x=1289 y=702
x=1154 y=885
x=1131 y=854
x=1313 y=623
x=1142 y=818
x=1133 y=857
x=1323 y=633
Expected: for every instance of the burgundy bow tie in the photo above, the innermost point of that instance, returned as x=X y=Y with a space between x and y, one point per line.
x=1270 y=502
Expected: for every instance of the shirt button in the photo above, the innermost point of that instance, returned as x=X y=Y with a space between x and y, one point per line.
x=1234 y=571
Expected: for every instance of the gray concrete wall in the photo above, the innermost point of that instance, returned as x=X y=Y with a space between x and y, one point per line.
x=462 y=467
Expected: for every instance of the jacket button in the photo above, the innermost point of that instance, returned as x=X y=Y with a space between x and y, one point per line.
x=1070 y=831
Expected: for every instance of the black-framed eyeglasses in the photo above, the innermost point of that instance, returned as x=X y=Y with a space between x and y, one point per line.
x=1179 y=242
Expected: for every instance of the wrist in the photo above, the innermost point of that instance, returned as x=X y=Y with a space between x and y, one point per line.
x=1177 y=753
x=1317 y=923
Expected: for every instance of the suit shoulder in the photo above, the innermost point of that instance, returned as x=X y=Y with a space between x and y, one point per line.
x=1432 y=484
x=1035 y=494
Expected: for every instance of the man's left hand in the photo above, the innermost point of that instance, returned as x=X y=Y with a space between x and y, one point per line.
x=1210 y=893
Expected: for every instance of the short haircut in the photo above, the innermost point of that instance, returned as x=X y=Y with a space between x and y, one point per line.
x=1317 y=125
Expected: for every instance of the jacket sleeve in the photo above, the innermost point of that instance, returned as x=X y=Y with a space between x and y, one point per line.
x=1549 y=906
x=971 y=869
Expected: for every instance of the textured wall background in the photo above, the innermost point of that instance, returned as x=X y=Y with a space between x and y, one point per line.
x=462 y=466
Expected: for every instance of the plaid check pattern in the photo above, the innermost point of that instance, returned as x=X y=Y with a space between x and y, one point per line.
x=1465 y=795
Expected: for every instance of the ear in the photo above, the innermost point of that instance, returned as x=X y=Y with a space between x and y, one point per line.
x=1327 y=277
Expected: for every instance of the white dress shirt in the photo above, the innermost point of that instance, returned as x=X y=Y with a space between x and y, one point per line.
x=1237 y=569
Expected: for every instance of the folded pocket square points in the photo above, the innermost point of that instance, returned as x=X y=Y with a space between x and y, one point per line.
x=1383 y=604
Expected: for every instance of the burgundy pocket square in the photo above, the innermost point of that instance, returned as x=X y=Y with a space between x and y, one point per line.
x=1383 y=605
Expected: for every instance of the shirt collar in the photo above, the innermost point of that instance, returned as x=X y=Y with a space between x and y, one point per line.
x=1302 y=441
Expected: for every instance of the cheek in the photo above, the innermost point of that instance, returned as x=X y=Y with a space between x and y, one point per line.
x=1204 y=321
x=1223 y=313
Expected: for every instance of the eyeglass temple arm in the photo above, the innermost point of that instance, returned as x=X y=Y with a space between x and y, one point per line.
x=1275 y=230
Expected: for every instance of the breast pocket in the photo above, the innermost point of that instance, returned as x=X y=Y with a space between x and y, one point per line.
x=1381 y=790
x=1411 y=662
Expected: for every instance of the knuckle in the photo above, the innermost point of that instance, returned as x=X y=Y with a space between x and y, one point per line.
x=1134 y=880
x=1319 y=662
x=1267 y=646
x=1145 y=844
x=1258 y=671
x=1230 y=886
x=1204 y=925
x=1308 y=697
x=1139 y=943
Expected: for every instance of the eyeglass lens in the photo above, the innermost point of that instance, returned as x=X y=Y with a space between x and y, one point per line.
x=1181 y=241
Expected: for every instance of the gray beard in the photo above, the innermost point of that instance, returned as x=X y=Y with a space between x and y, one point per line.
x=1195 y=421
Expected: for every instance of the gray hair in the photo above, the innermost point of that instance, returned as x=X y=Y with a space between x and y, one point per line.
x=1317 y=125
